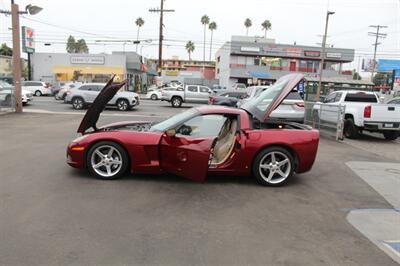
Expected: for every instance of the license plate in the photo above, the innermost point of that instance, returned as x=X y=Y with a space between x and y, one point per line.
x=388 y=125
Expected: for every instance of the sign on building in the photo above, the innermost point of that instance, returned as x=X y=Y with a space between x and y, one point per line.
x=250 y=49
x=28 y=40
x=87 y=60
x=388 y=65
x=333 y=55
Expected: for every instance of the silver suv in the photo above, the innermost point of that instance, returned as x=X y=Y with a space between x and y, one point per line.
x=85 y=94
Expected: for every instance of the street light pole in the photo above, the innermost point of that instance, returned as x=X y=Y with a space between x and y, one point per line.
x=321 y=66
x=16 y=57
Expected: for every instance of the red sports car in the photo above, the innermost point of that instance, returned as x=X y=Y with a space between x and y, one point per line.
x=201 y=141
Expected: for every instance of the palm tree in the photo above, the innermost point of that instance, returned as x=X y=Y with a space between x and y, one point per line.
x=205 y=20
x=247 y=24
x=139 y=23
x=266 y=25
x=212 y=27
x=190 y=49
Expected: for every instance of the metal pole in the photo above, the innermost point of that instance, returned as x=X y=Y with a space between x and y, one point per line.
x=375 y=49
x=16 y=57
x=161 y=39
x=29 y=67
x=321 y=66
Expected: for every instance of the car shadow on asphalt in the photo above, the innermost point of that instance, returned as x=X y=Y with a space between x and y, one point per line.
x=169 y=178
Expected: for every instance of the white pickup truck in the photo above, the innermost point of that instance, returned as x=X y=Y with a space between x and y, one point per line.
x=191 y=94
x=362 y=112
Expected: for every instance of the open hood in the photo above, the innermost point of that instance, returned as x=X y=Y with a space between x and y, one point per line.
x=262 y=106
x=93 y=113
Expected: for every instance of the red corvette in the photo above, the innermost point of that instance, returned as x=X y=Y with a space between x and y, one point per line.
x=201 y=141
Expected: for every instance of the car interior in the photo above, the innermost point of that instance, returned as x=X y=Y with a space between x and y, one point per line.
x=224 y=143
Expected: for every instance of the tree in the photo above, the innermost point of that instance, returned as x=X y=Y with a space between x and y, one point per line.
x=81 y=47
x=205 y=20
x=76 y=75
x=139 y=23
x=190 y=49
x=71 y=45
x=266 y=25
x=212 y=27
x=247 y=24
x=5 y=50
x=356 y=75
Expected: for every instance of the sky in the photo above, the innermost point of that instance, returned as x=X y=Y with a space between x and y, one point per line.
x=300 y=21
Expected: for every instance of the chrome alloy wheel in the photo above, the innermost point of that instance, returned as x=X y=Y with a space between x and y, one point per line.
x=275 y=167
x=106 y=161
x=122 y=105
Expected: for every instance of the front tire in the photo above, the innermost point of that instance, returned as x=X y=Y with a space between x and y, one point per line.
x=350 y=129
x=107 y=160
x=38 y=93
x=78 y=103
x=273 y=166
x=154 y=97
x=391 y=135
x=176 y=102
x=123 y=105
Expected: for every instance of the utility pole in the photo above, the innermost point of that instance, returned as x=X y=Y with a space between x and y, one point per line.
x=161 y=10
x=16 y=57
x=377 y=35
x=321 y=65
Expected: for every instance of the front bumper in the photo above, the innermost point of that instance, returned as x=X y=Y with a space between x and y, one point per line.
x=75 y=156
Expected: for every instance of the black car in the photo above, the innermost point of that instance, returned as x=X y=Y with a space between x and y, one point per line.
x=227 y=98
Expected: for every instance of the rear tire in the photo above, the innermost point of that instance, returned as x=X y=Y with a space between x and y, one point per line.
x=391 y=135
x=176 y=102
x=38 y=93
x=78 y=103
x=123 y=105
x=154 y=97
x=107 y=160
x=351 y=131
x=273 y=166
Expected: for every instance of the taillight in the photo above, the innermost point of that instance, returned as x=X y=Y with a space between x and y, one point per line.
x=367 y=111
x=300 y=104
x=211 y=100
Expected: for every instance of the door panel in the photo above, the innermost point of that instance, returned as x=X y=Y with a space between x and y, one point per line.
x=187 y=157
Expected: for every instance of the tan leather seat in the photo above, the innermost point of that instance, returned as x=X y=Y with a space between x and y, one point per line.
x=225 y=142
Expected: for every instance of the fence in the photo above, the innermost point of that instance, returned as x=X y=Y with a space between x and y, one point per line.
x=327 y=118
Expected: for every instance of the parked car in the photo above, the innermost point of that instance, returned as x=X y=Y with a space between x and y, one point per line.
x=217 y=88
x=154 y=94
x=362 y=112
x=65 y=89
x=200 y=141
x=56 y=87
x=239 y=86
x=6 y=94
x=38 y=88
x=191 y=94
x=227 y=98
x=292 y=108
x=394 y=101
x=85 y=94
x=7 y=79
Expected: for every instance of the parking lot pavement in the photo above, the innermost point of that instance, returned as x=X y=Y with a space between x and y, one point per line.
x=54 y=215
x=375 y=143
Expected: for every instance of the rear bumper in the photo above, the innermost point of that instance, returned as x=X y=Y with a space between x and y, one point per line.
x=378 y=126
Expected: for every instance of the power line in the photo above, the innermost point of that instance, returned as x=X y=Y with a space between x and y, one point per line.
x=377 y=35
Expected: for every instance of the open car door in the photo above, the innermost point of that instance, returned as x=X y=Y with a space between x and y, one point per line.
x=185 y=156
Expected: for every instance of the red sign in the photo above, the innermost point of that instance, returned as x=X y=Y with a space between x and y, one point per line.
x=294 y=51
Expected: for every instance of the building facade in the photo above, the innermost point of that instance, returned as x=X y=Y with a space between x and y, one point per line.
x=52 y=67
x=252 y=61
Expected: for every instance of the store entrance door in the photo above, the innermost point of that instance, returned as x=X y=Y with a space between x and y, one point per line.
x=292 y=66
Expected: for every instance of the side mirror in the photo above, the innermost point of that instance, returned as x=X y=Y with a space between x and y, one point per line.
x=170 y=132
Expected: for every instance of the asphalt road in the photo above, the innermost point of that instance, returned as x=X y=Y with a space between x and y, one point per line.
x=52 y=214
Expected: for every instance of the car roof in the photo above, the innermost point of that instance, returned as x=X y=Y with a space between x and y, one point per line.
x=356 y=91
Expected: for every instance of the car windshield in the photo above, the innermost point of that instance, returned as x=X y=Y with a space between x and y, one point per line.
x=4 y=84
x=173 y=121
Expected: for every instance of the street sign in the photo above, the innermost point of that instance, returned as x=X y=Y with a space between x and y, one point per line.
x=28 y=40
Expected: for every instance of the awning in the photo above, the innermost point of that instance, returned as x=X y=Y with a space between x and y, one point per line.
x=260 y=75
x=339 y=80
x=88 y=70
